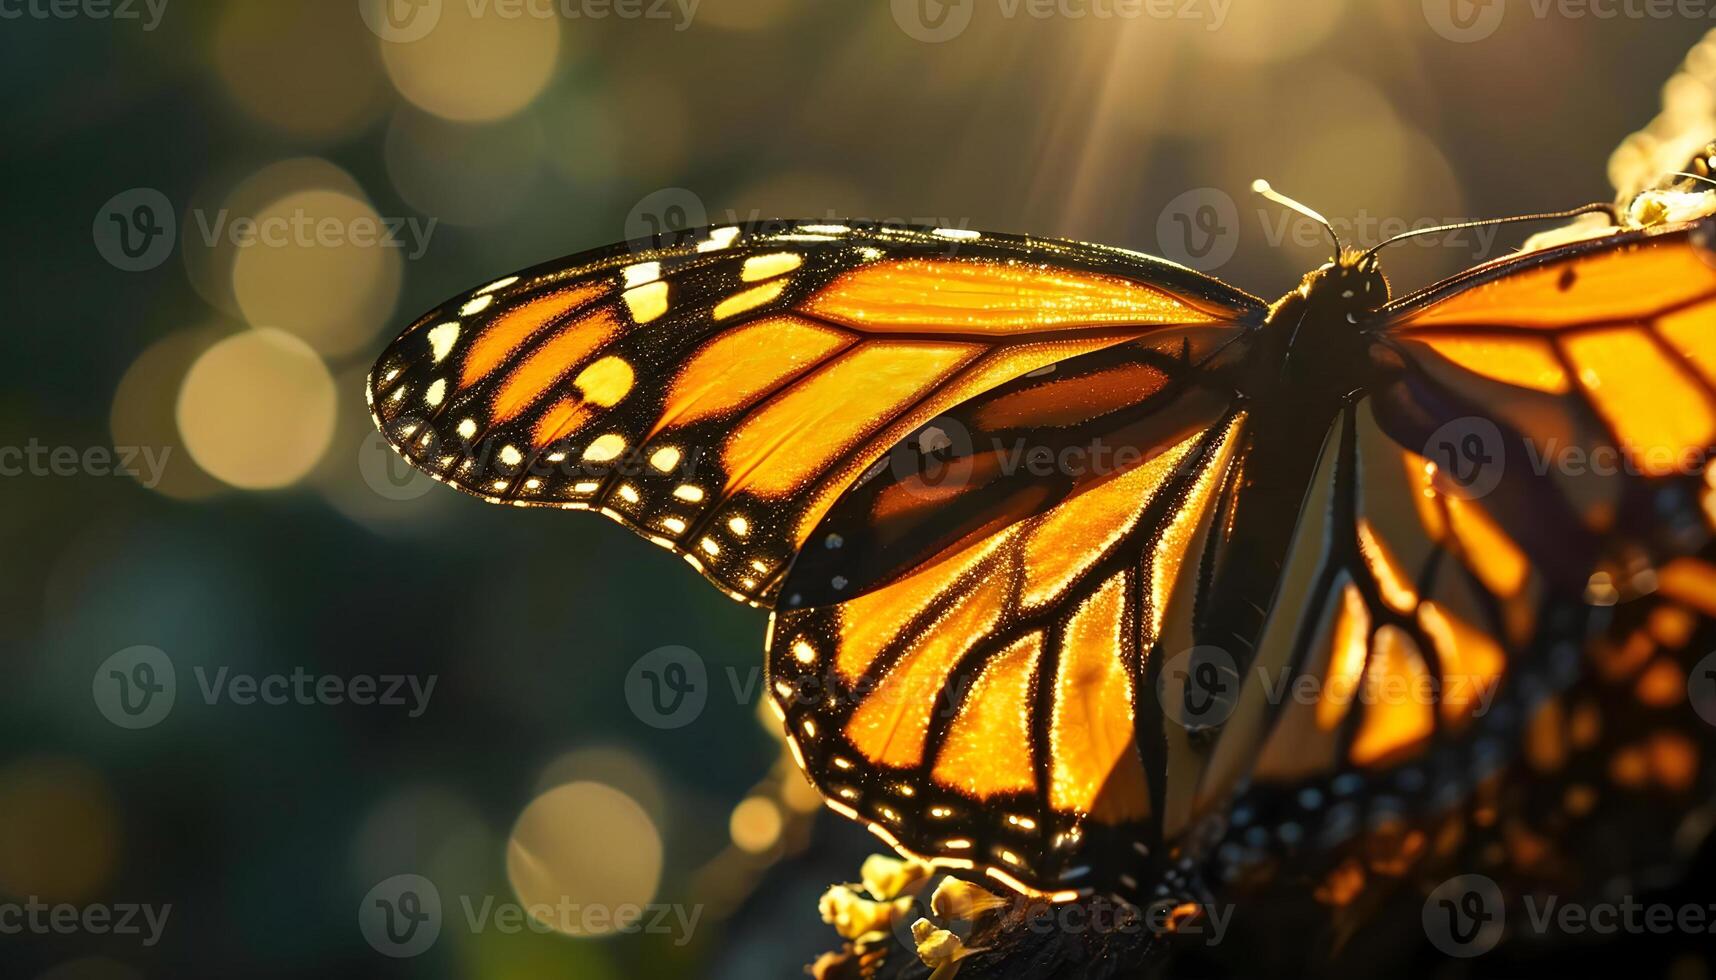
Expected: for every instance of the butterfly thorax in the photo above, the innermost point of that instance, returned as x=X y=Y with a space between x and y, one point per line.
x=1314 y=347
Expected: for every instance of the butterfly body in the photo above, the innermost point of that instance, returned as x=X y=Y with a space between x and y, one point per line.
x=1312 y=358
x=1070 y=677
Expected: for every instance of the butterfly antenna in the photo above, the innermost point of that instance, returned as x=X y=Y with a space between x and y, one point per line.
x=1608 y=209
x=1261 y=186
x=1707 y=180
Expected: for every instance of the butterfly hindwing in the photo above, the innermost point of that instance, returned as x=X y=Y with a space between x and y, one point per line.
x=959 y=652
x=717 y=394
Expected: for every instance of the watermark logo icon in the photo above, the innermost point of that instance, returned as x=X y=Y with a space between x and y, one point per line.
x=400 y=21
x=135 y=230
x=387 y=473
x=1464 y=21
x=933 y=21
x=1469 y=456
x=1199 y=688
x=135 y=688
x=401 y=917
x=1199 y=228
x=668 y=687
x=933 y=461
x=1464 y=916
x=668 y=216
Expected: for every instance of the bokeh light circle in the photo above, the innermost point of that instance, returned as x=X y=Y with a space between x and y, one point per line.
x=322 y=264
x=299 y=67
x=755 y=824
x=231 y=198
x=257 y=409
x=477 y=64
x=144 y=415
x=588 y=847
x=59 y=830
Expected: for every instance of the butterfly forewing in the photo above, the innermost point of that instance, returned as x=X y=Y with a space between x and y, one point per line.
x=1568 y=397
x=717 y=395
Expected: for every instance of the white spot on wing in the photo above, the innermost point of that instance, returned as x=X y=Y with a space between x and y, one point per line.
x=718 y=239
x=441 y=337
x=641 y=273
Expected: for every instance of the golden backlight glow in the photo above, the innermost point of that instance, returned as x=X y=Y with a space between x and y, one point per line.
x=1170 y=549
x=507 y=333
x=1351 y=642
x=1391 y=580
x=951 y=296
x=551 y=360
x=558 y=421
x=1692 y=332
x=1488 y=551
x=745 y=361
x=1081 y=531
x=869 y=622
x=891 y=724
x=988 y=748
x=1397 y=714
x=1649 y=400
x=1471 y=661
x=1603 y=286
x=847 y=400
x=1523 y=362
x=1095 y=766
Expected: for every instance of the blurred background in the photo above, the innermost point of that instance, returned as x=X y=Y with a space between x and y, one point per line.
x=262 y=681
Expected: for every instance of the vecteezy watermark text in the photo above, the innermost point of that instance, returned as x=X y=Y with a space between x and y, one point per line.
x=38 y=917
x=147 y=12
x=145 y=464
x=673 y=216
x=935 y=21
x=1466 y=21
x=1466 y=916
x=138 y=686
x=135 y=230
x=1469 y=456
x=404 y=21
x=404 y=915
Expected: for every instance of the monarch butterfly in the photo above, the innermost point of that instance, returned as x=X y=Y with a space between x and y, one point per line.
x=1086 y=569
